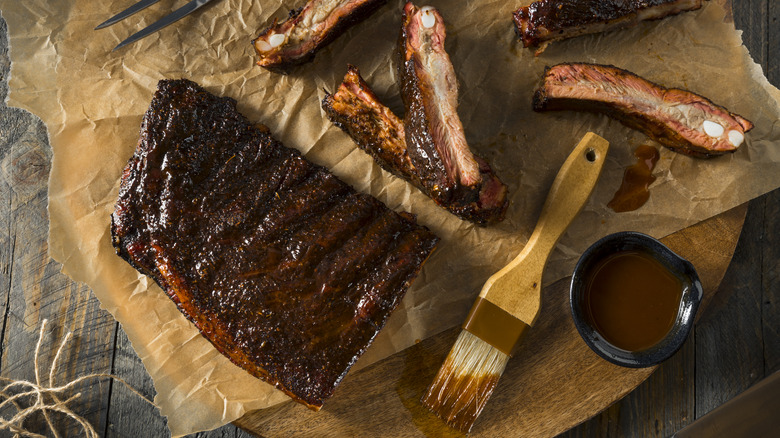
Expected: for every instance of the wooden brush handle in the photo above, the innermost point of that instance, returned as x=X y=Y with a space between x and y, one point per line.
x=515 y=288
x=568 y=194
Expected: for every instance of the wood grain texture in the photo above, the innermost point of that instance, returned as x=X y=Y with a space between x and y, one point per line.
x=125 y=408
x=770 y=282
x=751 y=16
x=772 y=68
x=553 y=382
x=7 y=132
x=131 y=417
x=737 y=310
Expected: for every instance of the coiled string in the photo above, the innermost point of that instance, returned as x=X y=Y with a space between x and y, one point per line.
x=47 y=398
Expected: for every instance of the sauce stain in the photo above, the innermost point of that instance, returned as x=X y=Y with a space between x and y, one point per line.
x=421 y=364
x=633 y=192
x=632 y=300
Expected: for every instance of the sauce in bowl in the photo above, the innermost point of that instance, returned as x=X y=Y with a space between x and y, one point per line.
x=632 y=300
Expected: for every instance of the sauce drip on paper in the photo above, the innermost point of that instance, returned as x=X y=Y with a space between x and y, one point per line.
x=633 y=192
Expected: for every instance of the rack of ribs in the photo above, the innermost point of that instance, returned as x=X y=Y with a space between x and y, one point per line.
x=287 y=270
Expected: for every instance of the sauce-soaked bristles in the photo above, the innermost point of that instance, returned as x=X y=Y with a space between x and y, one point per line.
x=465 y=381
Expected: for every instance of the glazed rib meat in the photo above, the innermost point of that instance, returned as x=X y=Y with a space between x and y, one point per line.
x=549 y=20
x=378 y=131
x=678 y=119
x=287 y=270
x=308 y=29
x=374 y=127
x=447 y=169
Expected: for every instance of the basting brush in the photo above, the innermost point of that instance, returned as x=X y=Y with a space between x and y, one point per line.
x=509 y=301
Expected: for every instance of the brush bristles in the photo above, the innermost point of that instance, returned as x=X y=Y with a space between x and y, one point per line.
x=465 y=381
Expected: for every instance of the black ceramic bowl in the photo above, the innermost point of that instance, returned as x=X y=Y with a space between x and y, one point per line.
x=689 y=301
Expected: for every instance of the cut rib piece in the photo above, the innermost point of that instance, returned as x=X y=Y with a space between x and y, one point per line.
x=429 y=88
x=308 y=29
x=678 y=119
x=436 y=143
x=288 y=271
x=550 y=20
x=355 y=109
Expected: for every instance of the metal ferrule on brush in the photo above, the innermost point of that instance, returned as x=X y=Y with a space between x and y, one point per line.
x=494 y=325
x=472 y=369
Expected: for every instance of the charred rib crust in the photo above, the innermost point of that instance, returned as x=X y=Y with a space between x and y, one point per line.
x=356 y=110
x=270 y=256
x=282 y=62
x=550 y=20
x=570 y=86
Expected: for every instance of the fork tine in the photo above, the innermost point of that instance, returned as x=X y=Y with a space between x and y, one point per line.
x=164 y=21
x=143 y=4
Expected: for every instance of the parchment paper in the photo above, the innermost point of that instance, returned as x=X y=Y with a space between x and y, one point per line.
x=92 y=101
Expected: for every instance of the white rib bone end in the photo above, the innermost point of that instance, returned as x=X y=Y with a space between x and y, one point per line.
x=736 y=138
x=712 y=129
x=428 y=18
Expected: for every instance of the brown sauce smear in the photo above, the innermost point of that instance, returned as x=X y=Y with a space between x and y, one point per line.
x=632 y=300
x=633 y=192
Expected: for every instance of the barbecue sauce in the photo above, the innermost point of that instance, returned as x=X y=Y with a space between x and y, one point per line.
x=633 y=192
x=632 y=300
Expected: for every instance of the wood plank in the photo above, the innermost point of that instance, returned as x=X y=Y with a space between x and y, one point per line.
x=128 y=415
x=605 y=425
x=222 y=432
x=770 y=282
x=750 y=16
x=724 y=366
x=227 y=431
x=773 y=43
x=665 y=402
x=8 y=132
x=125 y=407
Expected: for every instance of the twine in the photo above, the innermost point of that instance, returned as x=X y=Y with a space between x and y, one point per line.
x=47 y=399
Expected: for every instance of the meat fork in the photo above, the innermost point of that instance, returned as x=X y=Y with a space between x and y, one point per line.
x=174 y=16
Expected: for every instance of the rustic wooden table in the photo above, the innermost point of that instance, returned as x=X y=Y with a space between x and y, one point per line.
x=735 y=343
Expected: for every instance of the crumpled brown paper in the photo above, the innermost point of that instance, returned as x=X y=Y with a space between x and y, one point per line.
x=92 y=101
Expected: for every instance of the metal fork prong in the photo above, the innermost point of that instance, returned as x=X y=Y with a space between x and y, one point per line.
x=164 y=21
x=141 y=5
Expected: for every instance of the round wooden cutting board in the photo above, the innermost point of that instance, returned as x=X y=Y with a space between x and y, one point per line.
x=553 y=382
